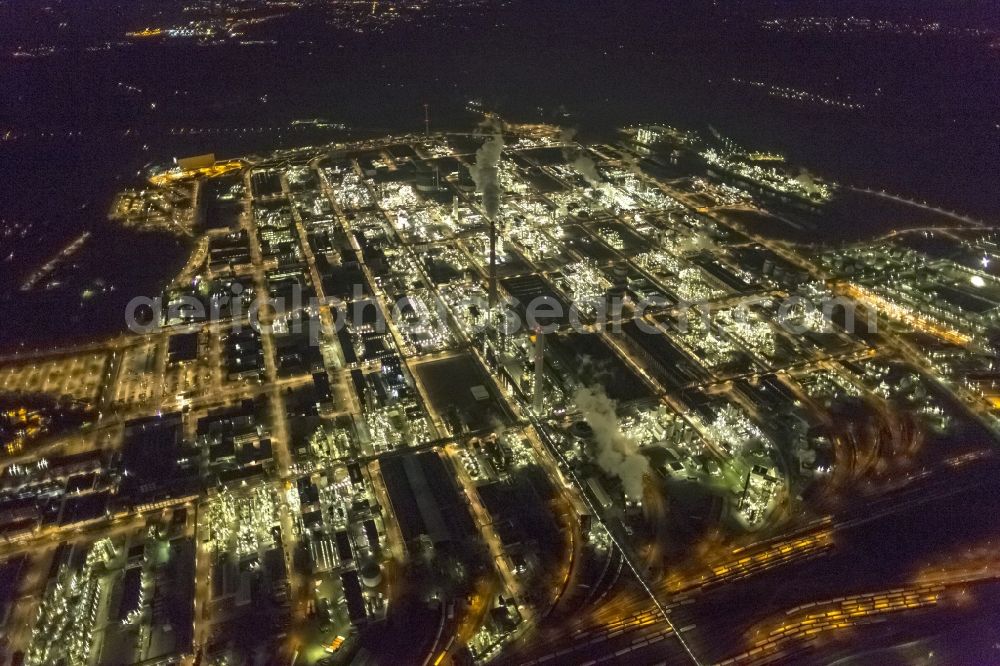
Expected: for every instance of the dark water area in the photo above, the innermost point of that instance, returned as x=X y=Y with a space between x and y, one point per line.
x=87 y=120
x=113 y=267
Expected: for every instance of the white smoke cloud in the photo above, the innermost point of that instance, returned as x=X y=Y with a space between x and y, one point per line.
x=588 y=169
x=806 y=180
x=486 y=171
x=616 y=453
x=631 y=163
x=578 y=158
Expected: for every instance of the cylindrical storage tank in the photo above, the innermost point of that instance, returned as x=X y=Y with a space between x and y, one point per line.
x=371 y=574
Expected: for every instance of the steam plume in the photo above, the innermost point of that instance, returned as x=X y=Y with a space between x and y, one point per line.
x=616 y=454
x=632 y=164
x=586 y=166
x=486 y=173
x=579 y=159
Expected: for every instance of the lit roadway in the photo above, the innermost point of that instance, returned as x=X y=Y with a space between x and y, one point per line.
x=40 y=545
x=280 y=442
x=380 y=298
x=202 y=587
x=919 y=204
x=325 y=318
x=712 y=600
x=638 y=621
x=577 y=496
x=482 y=517
x=486 y=530
x=969 y=403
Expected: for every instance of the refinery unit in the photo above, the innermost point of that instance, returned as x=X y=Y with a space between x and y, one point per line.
x=486 y=364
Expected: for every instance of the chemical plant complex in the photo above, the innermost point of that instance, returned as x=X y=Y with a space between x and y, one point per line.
x=500 y=396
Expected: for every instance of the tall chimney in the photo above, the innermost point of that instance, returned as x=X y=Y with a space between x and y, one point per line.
x=493 y=264
x=536 y=398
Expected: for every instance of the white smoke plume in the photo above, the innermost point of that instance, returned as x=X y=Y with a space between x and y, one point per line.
x=486 y=171
x=578 y=158
x=631 y=163
x=588 y=169
x=806 y=180
x=616 y=453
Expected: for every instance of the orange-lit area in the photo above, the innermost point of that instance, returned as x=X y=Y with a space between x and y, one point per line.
x=478 y=608
x=807 y=622
x=617 y=605
x=620 y=613
x=894 y=311
x=146 y=32
x=471 y=621
x=748 y=563
x=403 y=485
x=643 y=619
x=968 y=564
x=24 y=425
x=217 y=169
x=535 y=130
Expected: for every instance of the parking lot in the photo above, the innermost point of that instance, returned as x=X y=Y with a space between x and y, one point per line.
x=78 y=376
x=135 y=379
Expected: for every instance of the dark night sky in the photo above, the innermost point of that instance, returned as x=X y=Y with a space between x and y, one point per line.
x=929 y=129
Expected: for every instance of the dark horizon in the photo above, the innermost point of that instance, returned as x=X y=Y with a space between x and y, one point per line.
x=499 y=332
